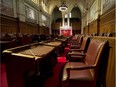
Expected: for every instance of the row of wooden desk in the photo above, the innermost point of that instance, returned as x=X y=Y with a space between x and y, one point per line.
x=37 y=59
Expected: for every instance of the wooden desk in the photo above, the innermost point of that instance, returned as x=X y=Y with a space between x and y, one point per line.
x=59 y=46
x=53 y=43
x=26 y=61
x=40 y=50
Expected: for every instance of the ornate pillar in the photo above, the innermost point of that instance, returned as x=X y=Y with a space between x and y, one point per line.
x=63 y=18
x=21 y=10
x=68 y=19
x=14 y=8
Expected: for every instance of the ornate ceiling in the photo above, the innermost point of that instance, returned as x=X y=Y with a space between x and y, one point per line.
x=81 y=4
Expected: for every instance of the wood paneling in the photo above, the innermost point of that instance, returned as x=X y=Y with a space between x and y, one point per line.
x=28 y=28
x=8 y=24
x=22 y=27
x=107 y=22
x=110 y=72
x=56 y=26
x=104 y=24
x=86 y=29
x=76 y=25
x=93 y=27
x=43 y=30
x=13 y=25
x=55 y=32
x=32 y=28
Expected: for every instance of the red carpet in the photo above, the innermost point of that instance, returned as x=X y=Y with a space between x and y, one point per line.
x=52 y=81
x=3 y=76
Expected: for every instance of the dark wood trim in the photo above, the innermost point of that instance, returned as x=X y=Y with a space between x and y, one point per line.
x=8 y=17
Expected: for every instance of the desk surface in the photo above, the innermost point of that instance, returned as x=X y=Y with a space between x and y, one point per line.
x=4 y=42
x=54 y=43
x=38 y=51
x=62 y=39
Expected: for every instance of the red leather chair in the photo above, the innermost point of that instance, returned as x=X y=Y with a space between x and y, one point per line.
x=77 y=43
x=81 y=50
x=84 y=45
x=84 y=74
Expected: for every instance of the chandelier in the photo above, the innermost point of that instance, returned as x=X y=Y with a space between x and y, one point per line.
x=63 y=7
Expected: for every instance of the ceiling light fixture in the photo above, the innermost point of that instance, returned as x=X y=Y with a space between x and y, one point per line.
x=63 y=7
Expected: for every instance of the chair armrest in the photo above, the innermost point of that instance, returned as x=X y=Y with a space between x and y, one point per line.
x=75 y=53
x=81 y=67
x=75 y=46
x=68 y=69
x=76 y=50
x=76 y=58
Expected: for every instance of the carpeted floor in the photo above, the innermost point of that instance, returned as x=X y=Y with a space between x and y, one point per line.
x=52 y=81
x=3 y=76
